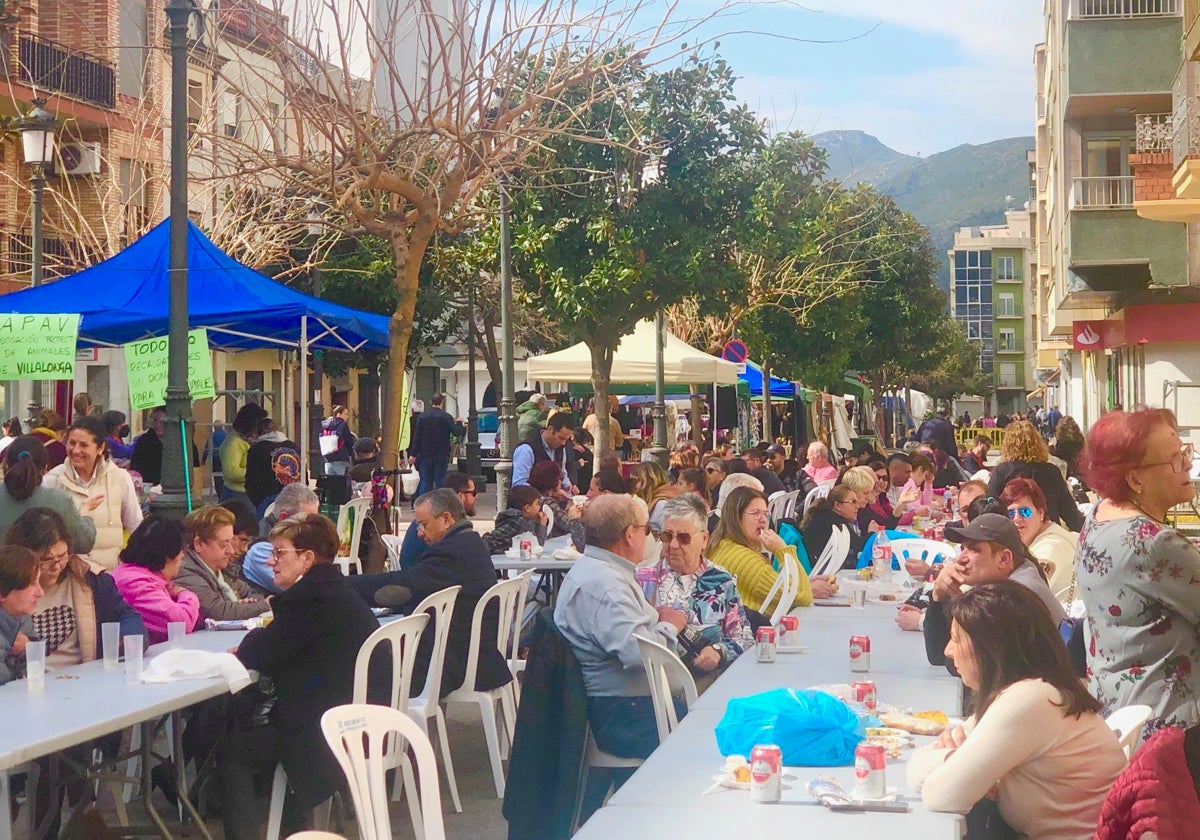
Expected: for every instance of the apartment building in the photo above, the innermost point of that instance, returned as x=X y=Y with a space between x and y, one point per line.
x=1115 y=247
x=990 y=271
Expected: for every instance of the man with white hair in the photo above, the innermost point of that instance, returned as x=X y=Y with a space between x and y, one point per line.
x=531 y=416
x=819 y=468
x=293 y=499
x=600 y=610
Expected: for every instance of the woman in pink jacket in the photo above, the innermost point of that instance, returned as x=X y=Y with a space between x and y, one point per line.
x=149 y=562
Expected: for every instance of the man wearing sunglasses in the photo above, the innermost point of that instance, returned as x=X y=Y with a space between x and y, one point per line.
x=601 y=610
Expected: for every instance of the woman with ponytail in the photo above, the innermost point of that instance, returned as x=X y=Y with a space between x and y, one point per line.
x=25 y=463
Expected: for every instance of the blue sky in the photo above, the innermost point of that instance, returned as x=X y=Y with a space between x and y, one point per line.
x=921 y=75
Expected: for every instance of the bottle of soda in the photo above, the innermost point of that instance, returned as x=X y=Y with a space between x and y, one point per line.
x=881 y=557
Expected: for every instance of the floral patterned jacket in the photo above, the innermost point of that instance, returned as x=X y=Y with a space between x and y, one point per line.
x=1140 y=582
x=710 y=597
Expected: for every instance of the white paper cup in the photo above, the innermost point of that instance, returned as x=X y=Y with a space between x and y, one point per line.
x=35 y=660
x=133 y=659
x=860 y=598
x=176 y=630
x=111 y=640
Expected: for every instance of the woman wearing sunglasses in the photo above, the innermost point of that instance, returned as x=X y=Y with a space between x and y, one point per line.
x=1052 y=544
x=708 y=594
x=1138 y=577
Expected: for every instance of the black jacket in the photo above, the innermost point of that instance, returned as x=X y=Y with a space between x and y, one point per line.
x=432 y=433
x=543 y=768
x=1059 y=501
x=261 y=482
x=937 y=634
x=309 y=652
x=771 y=482
x=818 y=532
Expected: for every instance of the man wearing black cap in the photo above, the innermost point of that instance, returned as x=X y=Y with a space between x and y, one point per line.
x=754 y=466
x=991 y=551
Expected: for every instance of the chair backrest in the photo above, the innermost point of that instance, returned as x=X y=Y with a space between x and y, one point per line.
x=667 y=677
x=918 y=548
x=505 y=594
x=358 y=735
x=785 y=586
x=1127 y=723
x=549 y=511
x=440 y=605
x=821 y=491
x=514 y=651
x=783 y=506
x=361 y=509
x=834 y=554
x=403 y=635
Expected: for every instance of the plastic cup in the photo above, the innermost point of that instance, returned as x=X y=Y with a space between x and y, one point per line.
x=111 y=640
x=133 y=659
x=860 y=598
x=176 y=630
x=35 y=660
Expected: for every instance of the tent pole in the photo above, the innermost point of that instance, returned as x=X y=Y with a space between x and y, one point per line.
x=713 y=417
x=305 y=459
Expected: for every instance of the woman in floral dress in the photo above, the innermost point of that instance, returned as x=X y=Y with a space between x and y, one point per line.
x=1139 y=578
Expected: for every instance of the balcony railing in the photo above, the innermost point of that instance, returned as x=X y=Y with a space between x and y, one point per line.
x=1112 y=193
x=1012 y=310
x=52 y=66
x=1185 y=128
x=1155 y=133
x=60 y=256
x=1082 y=9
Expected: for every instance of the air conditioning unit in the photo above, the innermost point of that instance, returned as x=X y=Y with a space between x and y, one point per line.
x=80 y=158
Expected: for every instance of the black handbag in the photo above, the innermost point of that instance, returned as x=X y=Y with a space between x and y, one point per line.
x=984 y=822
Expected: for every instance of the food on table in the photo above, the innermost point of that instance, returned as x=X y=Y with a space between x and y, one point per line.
x=885 y=732
x=887 y=597
x=913 y=724
x=738 y=767
x=937 y=717
x=893 y=745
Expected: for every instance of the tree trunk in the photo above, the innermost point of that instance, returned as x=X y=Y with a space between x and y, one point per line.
x=697 y=426
x=408 y=253
x=602 y=359
x=486 y=342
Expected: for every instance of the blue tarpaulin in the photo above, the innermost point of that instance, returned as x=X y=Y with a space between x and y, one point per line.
x=125 y=297
x=754 y=379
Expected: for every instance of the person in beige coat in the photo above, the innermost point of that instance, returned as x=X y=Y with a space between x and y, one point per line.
x=101 y=491
x=208 y=537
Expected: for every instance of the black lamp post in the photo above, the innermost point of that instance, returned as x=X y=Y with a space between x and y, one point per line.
x=317 y=414
x=508 y=402
x=474 y=462
x=659 y=450
x=37 y=144
x=176 y=480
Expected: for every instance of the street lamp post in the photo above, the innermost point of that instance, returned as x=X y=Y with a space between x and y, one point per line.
x=507 y=418
x=37 y=144
x=659 y=450
x=176 y=497
x=474 y=462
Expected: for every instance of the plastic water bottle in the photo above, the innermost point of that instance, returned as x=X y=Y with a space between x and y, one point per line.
x=881 y=557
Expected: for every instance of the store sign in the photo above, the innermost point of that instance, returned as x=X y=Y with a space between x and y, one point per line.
x=1088 y=335
x=146 y=363
x=38 y=347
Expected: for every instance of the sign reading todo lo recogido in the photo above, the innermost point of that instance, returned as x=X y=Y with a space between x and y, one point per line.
x=38 y=346
x=146 y=363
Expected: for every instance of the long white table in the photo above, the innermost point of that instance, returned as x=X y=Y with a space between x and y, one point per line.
x=664 y=795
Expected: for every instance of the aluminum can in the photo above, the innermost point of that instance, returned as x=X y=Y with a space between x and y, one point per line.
x=789 y=631
x=526 y=550
x=766 y=644
x=766 y=773
x=864 y=692
x=860 y=653
x=870 y=780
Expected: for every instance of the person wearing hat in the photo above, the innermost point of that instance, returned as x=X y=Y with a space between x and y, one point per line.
x=991 y=551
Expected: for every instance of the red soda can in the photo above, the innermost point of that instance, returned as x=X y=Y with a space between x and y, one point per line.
x=766 y=773
x=869 y=774
x=766 y=644
x=929 y=532
x=789 y=631
x=864 y=692
x=526 y=550
x=860 y=653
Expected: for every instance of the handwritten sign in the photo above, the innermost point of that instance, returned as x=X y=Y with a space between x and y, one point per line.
x=38 y=346
x=146 y=363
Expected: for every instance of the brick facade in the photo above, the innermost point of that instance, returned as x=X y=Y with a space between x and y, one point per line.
x=1152 y=172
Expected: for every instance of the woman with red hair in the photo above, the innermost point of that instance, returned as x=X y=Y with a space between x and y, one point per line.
x=1052 y=544
x=1139 y=578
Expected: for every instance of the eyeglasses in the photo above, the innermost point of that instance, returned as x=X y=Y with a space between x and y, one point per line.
x=276 y=552
x=684 y=537
x=760 y=513
x=711 y=469
x=645 y=528
x=57 y=559
x=1180 y=461
x=1024 y=511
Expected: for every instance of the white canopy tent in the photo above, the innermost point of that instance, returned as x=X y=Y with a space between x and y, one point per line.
x=633 y=362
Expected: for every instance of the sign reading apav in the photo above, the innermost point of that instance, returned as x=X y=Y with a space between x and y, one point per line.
x=38 y=346
x=146 y=363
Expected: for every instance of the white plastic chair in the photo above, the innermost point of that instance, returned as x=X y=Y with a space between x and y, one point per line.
x=785 y=586
x=549 y=511
x=929 y=551
x=783 y=506
x=425 y=706
x=1127 y=723
x=359 y=509
x=505 y=594
x=593 y=756
x=358 y=735
x=393 y=544
x=834 y=553
x=667 y=677
x=819 y=492
x=315 y=835
x=515 y=663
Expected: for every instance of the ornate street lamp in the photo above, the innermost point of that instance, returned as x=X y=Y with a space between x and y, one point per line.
x=37 y=142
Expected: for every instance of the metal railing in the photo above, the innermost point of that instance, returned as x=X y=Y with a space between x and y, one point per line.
x=1109 y=193
x=53 y=66
x=1082 y=9
x=1185 y=129
x=1012 y=310
x=62 y=256
x=1154 y=133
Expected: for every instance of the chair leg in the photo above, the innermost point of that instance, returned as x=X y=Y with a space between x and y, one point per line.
x=451 y=782
x=414 y=797
x=487 y=711
x=278 y=792
x=321 y=815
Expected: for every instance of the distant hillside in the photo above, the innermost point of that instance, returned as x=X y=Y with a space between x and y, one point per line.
x=964 y=186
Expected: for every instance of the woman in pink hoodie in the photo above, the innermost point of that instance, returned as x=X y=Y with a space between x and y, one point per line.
x=149 y=562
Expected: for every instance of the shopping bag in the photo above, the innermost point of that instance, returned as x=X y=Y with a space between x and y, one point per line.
x=814 y=729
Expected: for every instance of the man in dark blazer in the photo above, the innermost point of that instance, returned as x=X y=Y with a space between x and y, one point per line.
x=457 y=556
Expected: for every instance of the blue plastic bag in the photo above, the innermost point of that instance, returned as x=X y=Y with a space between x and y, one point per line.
x=814 y=729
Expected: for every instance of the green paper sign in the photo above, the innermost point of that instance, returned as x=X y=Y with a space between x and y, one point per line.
x=146 y=363
x=38 y=346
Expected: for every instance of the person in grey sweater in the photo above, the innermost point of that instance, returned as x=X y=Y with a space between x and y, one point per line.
x=25 y=463
x=19 y=594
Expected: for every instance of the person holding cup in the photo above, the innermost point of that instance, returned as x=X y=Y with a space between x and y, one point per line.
x=149 y=563
x=20 y=591
x=79 y=595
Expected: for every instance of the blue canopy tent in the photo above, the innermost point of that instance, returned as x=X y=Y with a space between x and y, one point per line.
x=753 y=377
x=125 y=298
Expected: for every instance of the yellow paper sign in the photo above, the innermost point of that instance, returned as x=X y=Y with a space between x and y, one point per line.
x=38 y=346
x=147 y=362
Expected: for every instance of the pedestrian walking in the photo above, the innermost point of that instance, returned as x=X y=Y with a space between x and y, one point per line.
x=430 y=448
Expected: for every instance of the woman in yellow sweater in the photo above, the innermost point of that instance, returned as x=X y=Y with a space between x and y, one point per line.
x=738 y=543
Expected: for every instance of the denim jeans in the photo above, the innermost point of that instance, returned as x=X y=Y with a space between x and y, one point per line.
x=432 y=469
x=624 y=726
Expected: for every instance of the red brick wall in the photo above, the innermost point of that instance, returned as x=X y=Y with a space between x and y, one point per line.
x=1152 y=173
